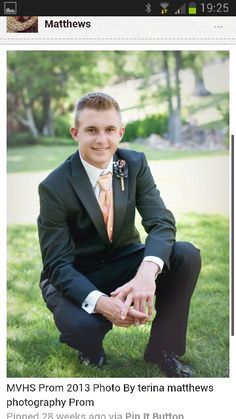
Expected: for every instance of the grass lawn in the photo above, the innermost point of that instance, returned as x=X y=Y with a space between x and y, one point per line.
x=38 y=158
x=33 y=346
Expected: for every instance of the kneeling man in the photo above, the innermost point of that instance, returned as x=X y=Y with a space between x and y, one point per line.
x=96 y=272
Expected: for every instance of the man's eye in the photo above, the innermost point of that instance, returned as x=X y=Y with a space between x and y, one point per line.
x=110 y=129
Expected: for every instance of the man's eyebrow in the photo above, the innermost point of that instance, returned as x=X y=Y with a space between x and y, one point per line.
x=111 y=127
x=95 y=126
x=90 y=126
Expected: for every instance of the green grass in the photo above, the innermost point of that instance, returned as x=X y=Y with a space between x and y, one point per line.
x=33 y=347
x=174 y=154
x=38 y=158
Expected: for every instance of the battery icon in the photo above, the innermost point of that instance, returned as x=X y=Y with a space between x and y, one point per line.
x=192 y=9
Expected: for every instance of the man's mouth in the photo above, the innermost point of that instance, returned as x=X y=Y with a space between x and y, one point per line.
x=100 y=149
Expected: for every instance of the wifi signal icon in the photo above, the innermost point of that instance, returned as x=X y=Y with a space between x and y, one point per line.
x=164 y=8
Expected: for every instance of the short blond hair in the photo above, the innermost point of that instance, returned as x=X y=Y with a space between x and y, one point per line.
x=95 y=100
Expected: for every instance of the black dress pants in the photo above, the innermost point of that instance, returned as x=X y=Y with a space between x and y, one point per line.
x=85 y=332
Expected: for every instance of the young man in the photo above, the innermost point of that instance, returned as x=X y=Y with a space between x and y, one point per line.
x=96 y=272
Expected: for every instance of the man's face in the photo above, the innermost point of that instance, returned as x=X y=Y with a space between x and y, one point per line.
x=98 y=135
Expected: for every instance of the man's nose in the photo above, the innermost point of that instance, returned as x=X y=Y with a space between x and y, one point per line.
x=101 y=137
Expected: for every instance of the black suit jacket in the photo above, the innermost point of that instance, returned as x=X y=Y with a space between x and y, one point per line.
x=72 y=232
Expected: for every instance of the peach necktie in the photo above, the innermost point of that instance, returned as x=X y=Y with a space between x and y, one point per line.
x=105 y=200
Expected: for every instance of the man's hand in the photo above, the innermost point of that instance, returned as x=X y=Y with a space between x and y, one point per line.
x=111 y=308
x=139 y=291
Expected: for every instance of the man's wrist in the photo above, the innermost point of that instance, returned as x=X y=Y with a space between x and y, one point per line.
x=100 y=304
x=156 y=260
x=90 y=301
x=151 y=268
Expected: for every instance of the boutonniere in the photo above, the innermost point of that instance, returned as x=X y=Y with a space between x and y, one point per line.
x=120 y=168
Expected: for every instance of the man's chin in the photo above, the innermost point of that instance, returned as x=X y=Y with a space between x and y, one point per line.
x=101 y=162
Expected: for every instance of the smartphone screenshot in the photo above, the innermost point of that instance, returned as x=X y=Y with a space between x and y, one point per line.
x=117 y=232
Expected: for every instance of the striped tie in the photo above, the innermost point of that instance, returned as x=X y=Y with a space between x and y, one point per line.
x=105 y=200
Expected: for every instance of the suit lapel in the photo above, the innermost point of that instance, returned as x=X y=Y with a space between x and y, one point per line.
x=83 y=189
x=120 y=202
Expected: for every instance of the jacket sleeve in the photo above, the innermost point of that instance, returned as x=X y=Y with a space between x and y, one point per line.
x=58 y=249
x=157 y=220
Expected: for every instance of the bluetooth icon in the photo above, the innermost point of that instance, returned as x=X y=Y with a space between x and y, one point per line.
x=148 y=8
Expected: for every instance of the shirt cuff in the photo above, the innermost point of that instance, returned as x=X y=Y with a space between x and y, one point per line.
x=156 y=260
x=91 y=300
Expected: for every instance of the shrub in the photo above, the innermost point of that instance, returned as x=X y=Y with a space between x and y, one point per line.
x=62 y=126
x=19 y=139
x=22 y=139
x=154 y=124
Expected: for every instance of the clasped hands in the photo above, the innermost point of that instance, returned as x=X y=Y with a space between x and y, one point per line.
x=132 y=303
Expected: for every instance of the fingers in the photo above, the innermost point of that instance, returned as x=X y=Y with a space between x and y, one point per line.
x=122 y=295
x=123 y=291
x=129 y=321
x=150 y=306
x=137 y=306
x=138 y=311
x=137 y=314
x=142 y=305
x=126 y=306
x=116 y=292
x=122 y=324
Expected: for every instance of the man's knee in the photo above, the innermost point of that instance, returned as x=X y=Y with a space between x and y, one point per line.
x=73 y=320
x=187 y=254
x=93 y=324
x=84 y=333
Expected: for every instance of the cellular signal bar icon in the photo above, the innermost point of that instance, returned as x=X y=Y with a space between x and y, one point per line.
x=181 y=10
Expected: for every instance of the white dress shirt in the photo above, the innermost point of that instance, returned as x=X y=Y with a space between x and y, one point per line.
x=93 y=174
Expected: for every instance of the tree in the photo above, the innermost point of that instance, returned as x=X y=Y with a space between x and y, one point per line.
x=40 y=80
x=196 y=61
x=169 y=92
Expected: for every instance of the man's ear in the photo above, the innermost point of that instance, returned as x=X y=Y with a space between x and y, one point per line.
x=74 y=134
x=121 y=133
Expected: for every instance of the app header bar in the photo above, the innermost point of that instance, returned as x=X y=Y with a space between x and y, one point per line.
x=120 y=8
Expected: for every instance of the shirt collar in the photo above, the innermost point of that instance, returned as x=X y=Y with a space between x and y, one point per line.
x=94 y=172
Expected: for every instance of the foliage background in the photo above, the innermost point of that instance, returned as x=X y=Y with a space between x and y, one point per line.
x=158 y=91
